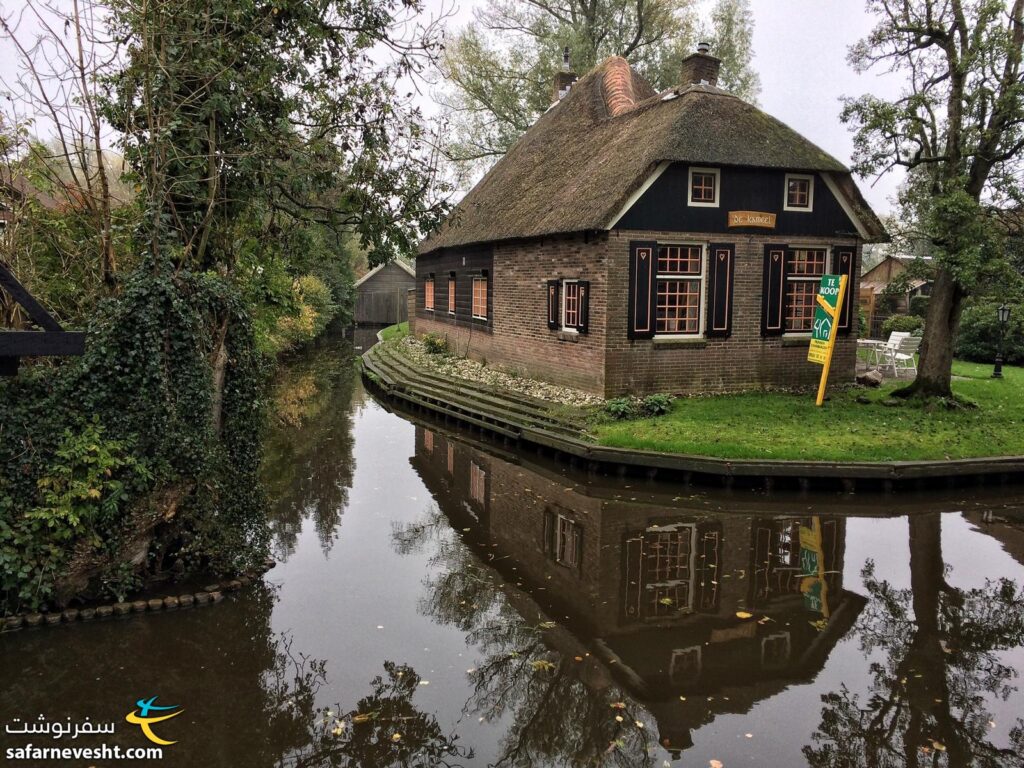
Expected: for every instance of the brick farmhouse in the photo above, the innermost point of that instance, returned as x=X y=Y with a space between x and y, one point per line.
x=633 y=242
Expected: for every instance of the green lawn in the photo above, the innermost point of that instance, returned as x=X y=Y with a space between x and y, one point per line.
x=395 y=331
x=788 y=426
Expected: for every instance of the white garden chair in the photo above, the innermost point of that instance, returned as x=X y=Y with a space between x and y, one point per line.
x=904 y=357
x=884 y=352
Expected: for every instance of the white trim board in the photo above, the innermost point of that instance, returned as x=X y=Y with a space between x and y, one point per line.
x=845 y=205
x=641 y=190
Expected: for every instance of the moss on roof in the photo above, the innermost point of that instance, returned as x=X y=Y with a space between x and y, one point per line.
x=574 y=169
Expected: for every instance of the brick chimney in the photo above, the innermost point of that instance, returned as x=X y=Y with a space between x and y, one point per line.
x=565 y=78
x=701 y=67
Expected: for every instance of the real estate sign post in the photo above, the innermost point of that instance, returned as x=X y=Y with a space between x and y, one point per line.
x=826 y=326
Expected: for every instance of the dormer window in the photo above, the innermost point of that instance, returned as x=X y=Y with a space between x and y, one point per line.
x=704 y=187
x=799 y=192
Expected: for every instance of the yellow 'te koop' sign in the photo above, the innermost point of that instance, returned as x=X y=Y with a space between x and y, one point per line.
x=826 y=325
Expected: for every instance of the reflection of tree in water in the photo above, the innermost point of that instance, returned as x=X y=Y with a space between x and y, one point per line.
x=564 y=708
x=927 y=704
x=308 y=463
x=385 y=729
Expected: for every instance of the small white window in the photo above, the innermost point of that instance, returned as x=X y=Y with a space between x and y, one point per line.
x=799 y=193
x=704 y=187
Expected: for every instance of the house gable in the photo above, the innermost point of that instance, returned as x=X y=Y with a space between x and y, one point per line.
x=664 y=207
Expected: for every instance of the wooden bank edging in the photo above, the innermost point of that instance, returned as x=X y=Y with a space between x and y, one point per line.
x=457 y=402
x=209 y=595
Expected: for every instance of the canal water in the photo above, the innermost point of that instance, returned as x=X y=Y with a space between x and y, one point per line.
x=443 y=601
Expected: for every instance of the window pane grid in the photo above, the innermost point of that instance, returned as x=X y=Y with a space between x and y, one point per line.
x=451 y=295
x=678 y=307
x=799 y=193
x=679 y=259
x=703 y=188
x=480 y=298
x=807 y=262
x=571 y=305
x=800 y=305
x=428 y=293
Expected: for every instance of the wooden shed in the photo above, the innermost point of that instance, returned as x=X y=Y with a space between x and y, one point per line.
x=381 y=292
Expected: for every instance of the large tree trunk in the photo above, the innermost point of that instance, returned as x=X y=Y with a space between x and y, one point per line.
x=935 y=367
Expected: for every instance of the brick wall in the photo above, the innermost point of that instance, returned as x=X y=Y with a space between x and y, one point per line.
x=745 y=360
x=519 y=338
x=605 y=360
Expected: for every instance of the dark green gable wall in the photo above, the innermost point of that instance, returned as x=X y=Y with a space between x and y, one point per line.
x=664 y=208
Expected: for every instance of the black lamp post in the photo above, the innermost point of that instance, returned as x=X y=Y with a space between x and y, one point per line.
x=1004 y=317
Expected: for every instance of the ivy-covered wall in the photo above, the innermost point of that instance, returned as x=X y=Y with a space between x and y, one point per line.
x=135 y=460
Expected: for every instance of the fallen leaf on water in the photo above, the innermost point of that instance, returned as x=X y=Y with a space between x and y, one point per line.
x=396 y=737
x=619 y=718
x=666 y=601
x=360 y=718
x=638 y=724
x=577 y=658
x=716 y=764
x=743 y=615
x=542 y=664
x=939 y=746
x=618 y=705
x=424 y=682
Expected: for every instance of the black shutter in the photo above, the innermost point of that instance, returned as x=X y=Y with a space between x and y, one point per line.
x=843 y=259
x=642 y=265
x=773 y=291
x=548 y=540
x=720 y=276
x=553 y=319
x=583 y=323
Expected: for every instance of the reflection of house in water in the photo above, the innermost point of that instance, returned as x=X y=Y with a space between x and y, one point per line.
x=652 y=586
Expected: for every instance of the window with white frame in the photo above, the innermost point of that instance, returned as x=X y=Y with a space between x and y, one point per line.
x=799 y=192
x=451 y=293
x=428 y=294
x=804 y=268
x=480 y=298
x=679 y=290
x=703 y=186
x=570 y=305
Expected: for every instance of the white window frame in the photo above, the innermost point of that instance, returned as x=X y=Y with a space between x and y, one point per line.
x=472 y=302
x=561 y=309
x=810 y=193
x=432 y=294
x=717 y=173
x=701 y=291
x=816 y=279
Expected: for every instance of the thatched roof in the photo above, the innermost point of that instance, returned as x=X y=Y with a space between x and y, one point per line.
x=580 y=162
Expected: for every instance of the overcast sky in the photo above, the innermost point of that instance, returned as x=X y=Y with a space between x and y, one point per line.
x=800 y=53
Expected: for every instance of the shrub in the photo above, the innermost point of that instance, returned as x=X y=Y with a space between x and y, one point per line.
x=919 y=306
x=434 y=344
x=908 y=323
x=656 y=405
x=621 y=408
x=978 y=339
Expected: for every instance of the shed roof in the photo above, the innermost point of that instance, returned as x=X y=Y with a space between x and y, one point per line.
x=398 y=262
x=577 y=166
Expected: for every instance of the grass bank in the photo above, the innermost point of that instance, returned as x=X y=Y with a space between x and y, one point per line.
x=395 y=331
x=776 y=425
